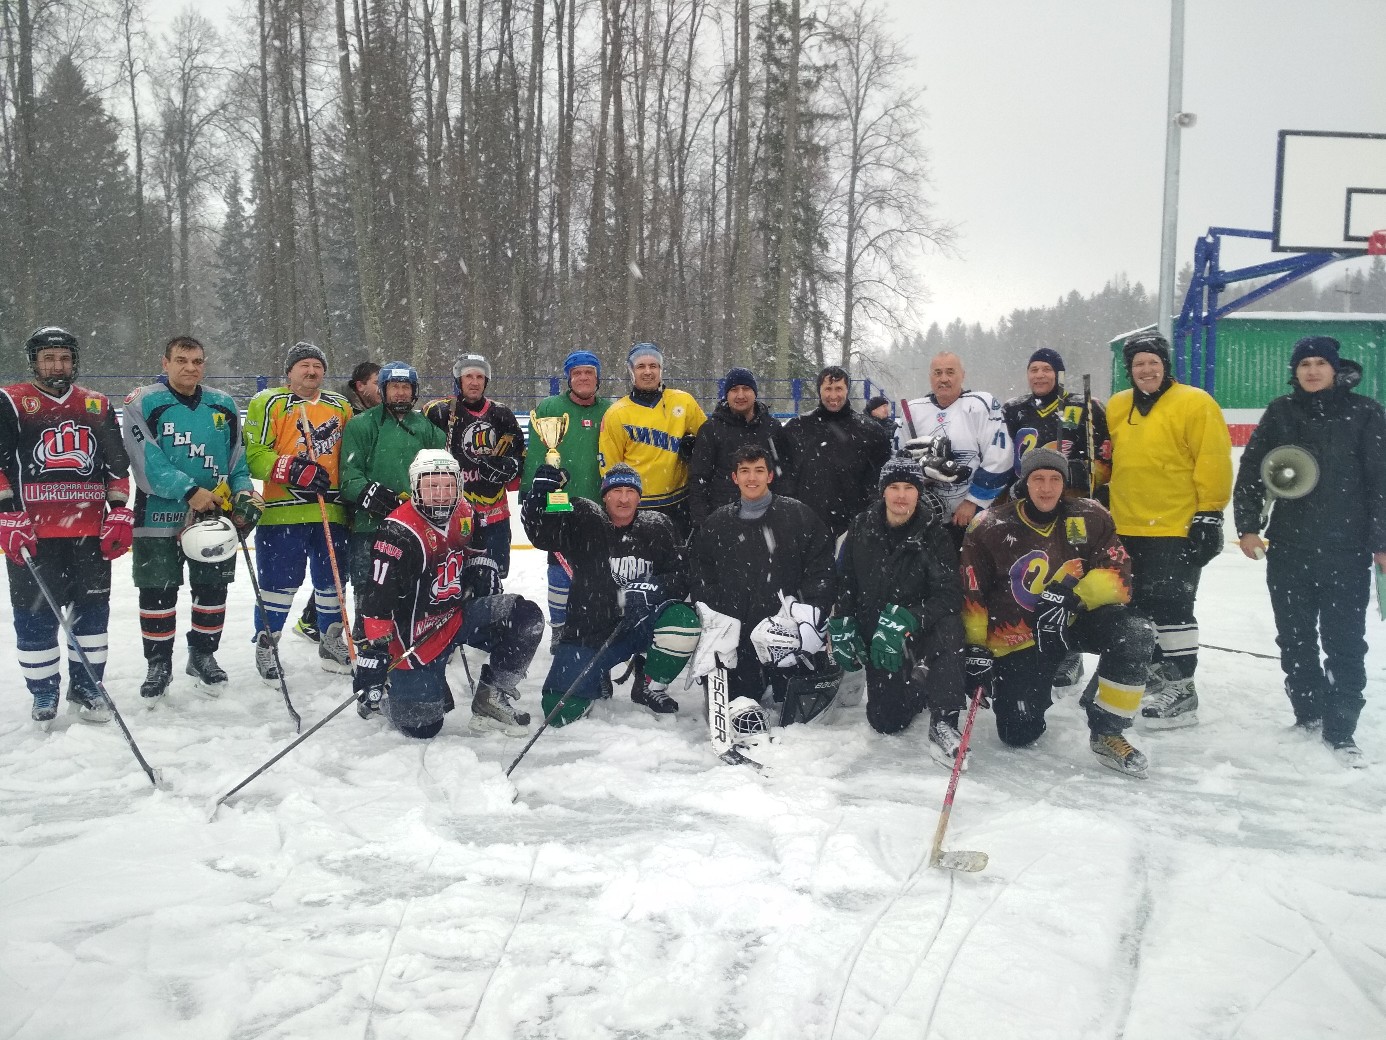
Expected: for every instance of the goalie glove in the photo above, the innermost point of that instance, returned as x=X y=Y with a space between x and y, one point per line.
x=717 y=643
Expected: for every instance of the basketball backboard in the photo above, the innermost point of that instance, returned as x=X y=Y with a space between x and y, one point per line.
x=1330 y=191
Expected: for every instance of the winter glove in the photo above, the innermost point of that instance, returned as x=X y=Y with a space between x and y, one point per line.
x=848 y=649
x=686 y=447
x=498 y=469
x=547 y=479
x=378 y=500
x=298 y=473
x=638 y=600
x=979 y=666
x=480 y=578
x=1053 y=614
x=368 y=677
x=17 y=536
x=117 y=532
x=1205 y=538
x=246 y=509
x=893 y=627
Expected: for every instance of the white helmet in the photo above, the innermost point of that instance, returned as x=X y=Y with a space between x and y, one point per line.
x=210 y=540
x=428 y=462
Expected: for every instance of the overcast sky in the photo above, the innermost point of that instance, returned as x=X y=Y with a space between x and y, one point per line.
x=1046 y=129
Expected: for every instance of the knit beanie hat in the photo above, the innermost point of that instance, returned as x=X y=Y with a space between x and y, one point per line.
x=1148 y=342
x=621 y=475
x=875 y=402
x=1042 y=458
x=740 y=377
x=1052 y=358
x=1325 y=347
x=579 y=359
x=300 y=351
x=902 y=469
x=644 y=350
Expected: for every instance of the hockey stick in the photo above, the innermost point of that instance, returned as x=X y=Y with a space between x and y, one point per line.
x=1234 y=650
x=306 y=428
x=1092 y=450
x=553 y=712
x=909 y=419
x=274 y=643
x=351 y=699
x=958 y=860
x=155 y=777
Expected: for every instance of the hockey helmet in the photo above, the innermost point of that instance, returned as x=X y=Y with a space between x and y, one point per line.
x=435 y=462
x=44 y=338
x=397 y=372
x=211 y=539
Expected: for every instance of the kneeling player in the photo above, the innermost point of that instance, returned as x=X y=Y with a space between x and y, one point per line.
x=430 y=594
x=629 y=579
x=1042 y=576
x=899 y=590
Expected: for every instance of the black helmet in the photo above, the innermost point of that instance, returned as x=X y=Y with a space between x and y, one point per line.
x=44 y=338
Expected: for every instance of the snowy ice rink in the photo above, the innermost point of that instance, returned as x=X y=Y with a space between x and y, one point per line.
x=370 y=886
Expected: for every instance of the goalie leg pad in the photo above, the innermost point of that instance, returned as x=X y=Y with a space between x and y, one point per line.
x=676 y=634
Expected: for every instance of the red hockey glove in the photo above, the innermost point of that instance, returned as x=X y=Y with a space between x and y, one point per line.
x=117 y=532
x=300 y=474
x=17 y=535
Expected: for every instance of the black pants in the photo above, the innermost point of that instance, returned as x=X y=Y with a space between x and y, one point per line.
x=1163 y=589
x=935 y=678
x=1021 y=689
x=1321 y=595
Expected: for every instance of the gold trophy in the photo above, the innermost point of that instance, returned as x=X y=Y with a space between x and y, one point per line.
x=551 y=430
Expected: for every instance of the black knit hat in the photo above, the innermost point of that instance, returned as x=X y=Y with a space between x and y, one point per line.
x=300 y=351
x=1325 y=347
x=901 y=469
x=1050 y=357
x=1147 y=342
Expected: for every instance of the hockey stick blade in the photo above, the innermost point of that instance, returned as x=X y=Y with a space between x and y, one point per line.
x=734 y=757
x=969 y=862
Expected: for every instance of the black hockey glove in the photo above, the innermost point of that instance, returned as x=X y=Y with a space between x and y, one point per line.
x=300 y=474
x=639 y=600
x=686 y=447
x=498 y=469
x=979 y=666
x=378 y=500
x=480 y=578
x=368 y=677
x=547 y=479
x=1205 y=538
x=1053 y=614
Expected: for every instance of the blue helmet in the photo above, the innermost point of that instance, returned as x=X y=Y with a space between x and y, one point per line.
x=577 y=359
x=397 y=372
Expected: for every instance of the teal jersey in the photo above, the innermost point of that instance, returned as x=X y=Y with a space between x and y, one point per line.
x=178 y=444
x=579 y=447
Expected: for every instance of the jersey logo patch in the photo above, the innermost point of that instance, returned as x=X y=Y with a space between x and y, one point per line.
x=94 y=405
x=1076 y=530
x=67 y=447
x=447 y=579
x=218 y=420
x=30 y=404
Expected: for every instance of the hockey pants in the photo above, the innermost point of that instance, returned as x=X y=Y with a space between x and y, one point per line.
x=77 y=575
x=1163 y=589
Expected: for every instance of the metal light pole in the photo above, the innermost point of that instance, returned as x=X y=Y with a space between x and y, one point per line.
x=1176 y=119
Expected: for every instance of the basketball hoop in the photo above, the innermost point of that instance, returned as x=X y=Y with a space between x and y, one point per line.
x=1376 y=243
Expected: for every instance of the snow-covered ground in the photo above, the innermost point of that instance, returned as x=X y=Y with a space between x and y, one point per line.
x=371 y=886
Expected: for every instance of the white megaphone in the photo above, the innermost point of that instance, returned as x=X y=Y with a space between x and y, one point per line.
x=1288 y=472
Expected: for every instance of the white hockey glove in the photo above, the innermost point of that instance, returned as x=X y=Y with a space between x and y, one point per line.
x=717 y=643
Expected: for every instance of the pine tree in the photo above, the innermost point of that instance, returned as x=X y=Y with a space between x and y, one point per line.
x=238 y=303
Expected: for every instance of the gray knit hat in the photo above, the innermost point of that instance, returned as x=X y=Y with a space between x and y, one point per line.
x=300 y=351
x=1042 y=458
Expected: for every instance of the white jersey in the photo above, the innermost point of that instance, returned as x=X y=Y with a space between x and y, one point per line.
x=974 y=427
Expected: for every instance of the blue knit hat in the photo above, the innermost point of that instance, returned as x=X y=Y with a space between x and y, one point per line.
x=621 y=475
x=579 y=358
x=1325 y=347
x=1052 y=358
x=740 y=377
x=645 y=350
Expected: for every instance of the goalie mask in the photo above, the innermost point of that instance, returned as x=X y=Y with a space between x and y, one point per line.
x=748 y=723
x=209 y=540
x=435 y=484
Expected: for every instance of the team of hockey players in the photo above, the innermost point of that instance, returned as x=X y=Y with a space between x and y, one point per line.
x=975 y=556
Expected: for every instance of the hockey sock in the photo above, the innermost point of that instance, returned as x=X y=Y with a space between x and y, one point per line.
x=208 y=617
x=36 y=639
x=559 y=586
x=329 y=607
x=574 y=707
x=90 y=620
x=1179 y=649
x=278 y=602
x=675 y=638
x=158 y=619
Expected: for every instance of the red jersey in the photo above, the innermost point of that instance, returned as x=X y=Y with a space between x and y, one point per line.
x=61 y=459
x=416 y=579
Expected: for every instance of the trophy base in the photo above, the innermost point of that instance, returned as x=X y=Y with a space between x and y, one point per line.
x=558 y=503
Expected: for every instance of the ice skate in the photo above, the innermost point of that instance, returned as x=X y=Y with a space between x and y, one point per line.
x=654 y=696
x=89 y=705
x=210 y=676
x=156 y=681
x=944 y=739
x=1173 y=706
x=265 y=662
x=306 y=629
x=332 y=650
x=493 y=710
x=1115 y=752
x=1068 y=675
x=45 y=708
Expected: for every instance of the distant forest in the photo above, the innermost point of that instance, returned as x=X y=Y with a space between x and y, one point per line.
x=743 y=182
x=1081 y=327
